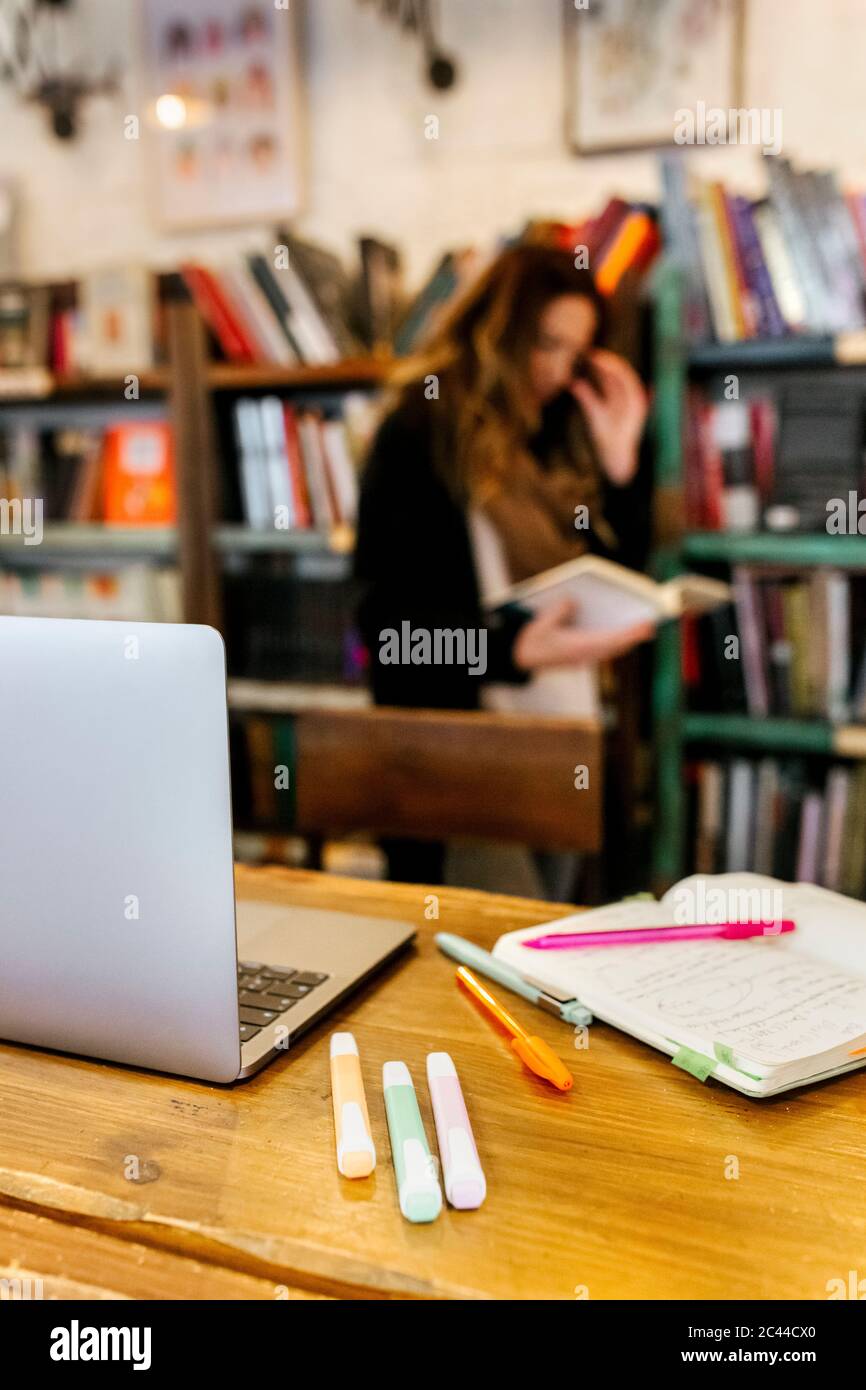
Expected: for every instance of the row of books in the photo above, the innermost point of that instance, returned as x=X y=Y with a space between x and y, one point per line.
x=297 y=467
x=783 y=818
x=792 y=646
x=123 y=474
x=295 y=305
x=135 y=593
x=260 y=749
x=622 y=238
x=298 y=304
x=791 y=262
x=292 y=618
x=778 y=461
x=108 y=321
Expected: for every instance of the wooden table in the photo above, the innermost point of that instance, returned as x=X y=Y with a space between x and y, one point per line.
x=617 y=1190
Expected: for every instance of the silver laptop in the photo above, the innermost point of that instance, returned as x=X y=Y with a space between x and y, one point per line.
x=118 y=932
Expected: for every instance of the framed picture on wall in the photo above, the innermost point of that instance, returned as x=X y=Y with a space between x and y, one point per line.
x=222 y=97
x=632 y=64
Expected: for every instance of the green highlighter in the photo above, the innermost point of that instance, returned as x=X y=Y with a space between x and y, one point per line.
x=415 y=1169
x=467 y=953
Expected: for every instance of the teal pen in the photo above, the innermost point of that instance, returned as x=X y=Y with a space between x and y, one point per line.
x=458 y=948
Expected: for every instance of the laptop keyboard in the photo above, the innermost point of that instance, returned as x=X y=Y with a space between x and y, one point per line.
x=266 y=991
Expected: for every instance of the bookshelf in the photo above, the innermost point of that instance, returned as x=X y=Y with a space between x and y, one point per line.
x=186 y=390
x=676 y=730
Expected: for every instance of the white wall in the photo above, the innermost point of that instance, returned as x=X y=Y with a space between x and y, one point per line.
x=501 y=155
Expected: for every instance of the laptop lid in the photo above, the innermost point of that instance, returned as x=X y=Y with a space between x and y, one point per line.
x=117 y=923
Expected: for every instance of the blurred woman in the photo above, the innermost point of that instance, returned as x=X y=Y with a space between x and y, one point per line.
x=510 y=448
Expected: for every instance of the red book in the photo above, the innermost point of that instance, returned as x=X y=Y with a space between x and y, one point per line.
x=217 y=314
x=691 y=659
x=568 y=235
x=297 y=476
x=693 y=461
x=604 y=228
x=762 y=424
x=713 y=470
x=59 y=345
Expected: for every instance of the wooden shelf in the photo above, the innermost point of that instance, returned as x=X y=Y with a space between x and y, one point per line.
x=37 y=384
x=765 y=548
x=154 y=380
x=360 y=371
x=73 y=538
x=291 y=697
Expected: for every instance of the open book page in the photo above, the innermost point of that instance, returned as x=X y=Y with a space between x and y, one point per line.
x=601 y=605
x=609 y=596
x=692 y=593
x=770 y=1001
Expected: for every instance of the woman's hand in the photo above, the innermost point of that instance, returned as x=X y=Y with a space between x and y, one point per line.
x=552 y=640
x=615 y=412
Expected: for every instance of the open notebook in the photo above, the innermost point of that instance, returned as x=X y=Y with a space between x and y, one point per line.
x=762 y=1015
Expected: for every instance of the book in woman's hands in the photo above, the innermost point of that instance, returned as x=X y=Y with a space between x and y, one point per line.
x=762 y=1015
x=610 y=597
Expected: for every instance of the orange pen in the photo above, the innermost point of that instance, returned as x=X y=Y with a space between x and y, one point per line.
x=533 y=1052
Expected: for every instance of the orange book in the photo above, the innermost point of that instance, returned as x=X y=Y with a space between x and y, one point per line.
x=139 y=482
x=729 y=259
x=634 y=243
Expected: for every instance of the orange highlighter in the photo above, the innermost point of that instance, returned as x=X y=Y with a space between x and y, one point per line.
x=533 y=1052
x=356 y=1154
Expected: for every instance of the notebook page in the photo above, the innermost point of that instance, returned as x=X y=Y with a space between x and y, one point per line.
x=770 y=1005
x=829 y=925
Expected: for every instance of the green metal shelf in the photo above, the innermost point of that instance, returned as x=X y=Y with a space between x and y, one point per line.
x=757 y=548
x=744 y=731
x=776 y=734
x=777 y=352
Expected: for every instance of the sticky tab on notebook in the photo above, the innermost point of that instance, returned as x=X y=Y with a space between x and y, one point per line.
x=726 y=1054
x=694 y=1062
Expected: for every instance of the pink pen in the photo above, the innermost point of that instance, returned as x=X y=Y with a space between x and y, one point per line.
x=463 y=1177
x=727 y=931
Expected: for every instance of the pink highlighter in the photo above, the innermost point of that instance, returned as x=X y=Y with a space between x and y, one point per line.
x=462 y=1174
x=641 y=936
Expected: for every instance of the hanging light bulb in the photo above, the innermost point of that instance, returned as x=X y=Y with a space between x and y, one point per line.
x=37 y=44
